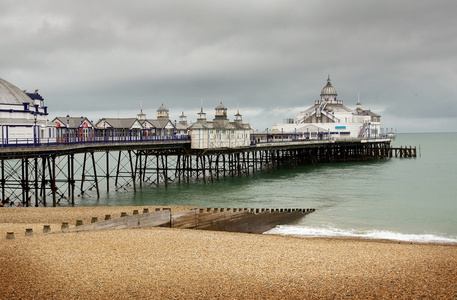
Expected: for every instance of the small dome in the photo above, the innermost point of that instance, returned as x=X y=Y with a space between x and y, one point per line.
x=328 y=89
x=11 y=94
x=220 y=106
x=162 y=108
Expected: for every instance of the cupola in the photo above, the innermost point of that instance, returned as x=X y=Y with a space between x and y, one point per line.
x=162 y=112
x=328 y=92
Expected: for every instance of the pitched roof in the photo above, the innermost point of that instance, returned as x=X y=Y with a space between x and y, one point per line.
x=120 y=123
x=161 y=123
x=220 y=125
x=72 y=122
x=365 y=112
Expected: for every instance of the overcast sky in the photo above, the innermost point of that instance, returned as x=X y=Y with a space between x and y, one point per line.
x=270 y=59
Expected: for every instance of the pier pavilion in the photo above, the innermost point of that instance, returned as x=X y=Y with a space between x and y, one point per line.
x=73 y=129
x=329 y=116
x=219 y=133
x=23 y=116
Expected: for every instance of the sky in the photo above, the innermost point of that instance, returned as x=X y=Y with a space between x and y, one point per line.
x=269 y=59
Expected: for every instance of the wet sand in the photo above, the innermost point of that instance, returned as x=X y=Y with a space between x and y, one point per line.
x=164 y=263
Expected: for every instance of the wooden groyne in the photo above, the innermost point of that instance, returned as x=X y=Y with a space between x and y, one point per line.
x=245 y=220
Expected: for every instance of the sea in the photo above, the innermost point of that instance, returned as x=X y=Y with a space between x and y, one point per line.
x=401 y=199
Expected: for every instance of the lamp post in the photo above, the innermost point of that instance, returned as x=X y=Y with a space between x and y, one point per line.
x=34 y=129
x=104 y=129
x=68 y=129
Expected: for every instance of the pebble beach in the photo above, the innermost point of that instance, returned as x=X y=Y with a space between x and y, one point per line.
x=164 y=263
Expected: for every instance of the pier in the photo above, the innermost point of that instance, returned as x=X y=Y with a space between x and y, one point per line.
x=54 y=162
x=49 y=174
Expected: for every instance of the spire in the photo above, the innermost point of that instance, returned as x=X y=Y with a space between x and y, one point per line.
x=141 y=116
x=201 y=115
x=183 y=119
x=358 y=106
x=238 y=118
x=328 y=79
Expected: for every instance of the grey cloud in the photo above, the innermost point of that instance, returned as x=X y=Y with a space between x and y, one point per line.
x=268 y=56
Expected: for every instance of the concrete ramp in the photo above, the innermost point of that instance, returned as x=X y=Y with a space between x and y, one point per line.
x=237 y=220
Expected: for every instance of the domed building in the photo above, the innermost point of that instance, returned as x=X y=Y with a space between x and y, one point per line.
x=163 y=125
x=23 y=116
x=330 y=118
x=219 y=133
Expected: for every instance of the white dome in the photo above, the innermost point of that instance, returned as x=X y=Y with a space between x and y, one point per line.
x=162 y=108
x=328 y=89
x=221 y=107
x=11 y=94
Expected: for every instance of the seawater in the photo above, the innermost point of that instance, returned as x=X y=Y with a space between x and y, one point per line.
x=407 y=199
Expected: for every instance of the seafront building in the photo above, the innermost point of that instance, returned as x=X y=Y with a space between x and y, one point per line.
x=162 y=124
x=118 y=128
x=220 y=132
x=23 y=116
x=73 y=129
x=329 y=118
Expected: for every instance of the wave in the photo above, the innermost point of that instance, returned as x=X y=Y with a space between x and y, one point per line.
x=300 y=231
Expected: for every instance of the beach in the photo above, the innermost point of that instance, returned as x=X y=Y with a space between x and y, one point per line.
x=164 y=263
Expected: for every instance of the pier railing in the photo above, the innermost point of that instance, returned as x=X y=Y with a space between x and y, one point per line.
x=14 y=143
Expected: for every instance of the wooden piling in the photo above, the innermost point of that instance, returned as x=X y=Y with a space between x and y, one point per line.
x=46 y=228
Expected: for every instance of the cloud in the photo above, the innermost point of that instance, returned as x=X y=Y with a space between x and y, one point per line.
x=266 y=57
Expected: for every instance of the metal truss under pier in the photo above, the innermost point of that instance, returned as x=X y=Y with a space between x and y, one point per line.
x=44 y=176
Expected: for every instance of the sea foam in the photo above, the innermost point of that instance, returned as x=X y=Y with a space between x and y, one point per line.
x=302 y=231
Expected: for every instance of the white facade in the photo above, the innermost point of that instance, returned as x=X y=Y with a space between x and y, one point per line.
x=23 y=116
x=220 y=133
x=212 y=138
x=331 y=119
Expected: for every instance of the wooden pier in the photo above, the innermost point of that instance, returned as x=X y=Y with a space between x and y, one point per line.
x=42 y=176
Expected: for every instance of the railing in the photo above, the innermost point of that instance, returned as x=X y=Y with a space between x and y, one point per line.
x=264 y=138
x=271 y=138
x=15 y=143
x=330 y=116
x=362 y=130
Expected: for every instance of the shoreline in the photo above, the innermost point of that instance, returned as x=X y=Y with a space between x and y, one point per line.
x=36 y=217
x=170 y=263
x=56 y=215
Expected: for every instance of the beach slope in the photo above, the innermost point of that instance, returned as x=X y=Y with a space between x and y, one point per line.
x=164 y=263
